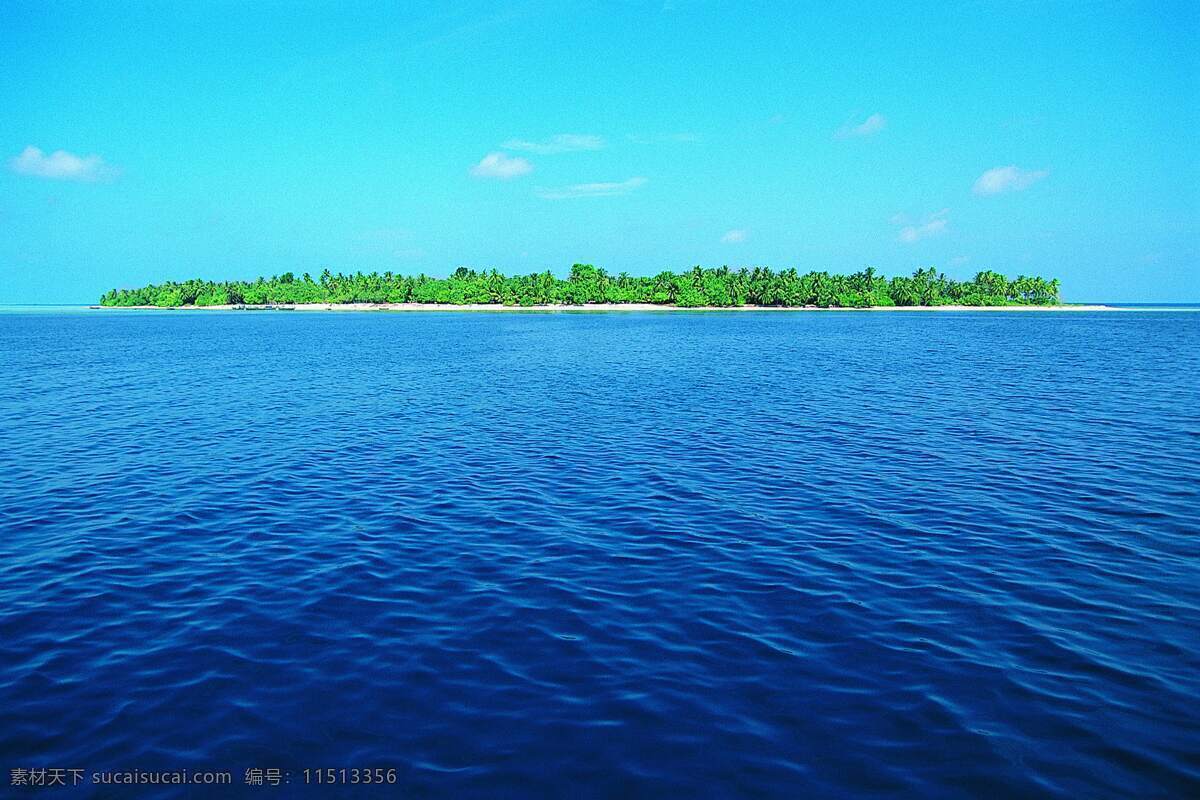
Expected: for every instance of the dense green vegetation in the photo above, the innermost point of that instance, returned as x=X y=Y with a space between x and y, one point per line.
x=588 y=284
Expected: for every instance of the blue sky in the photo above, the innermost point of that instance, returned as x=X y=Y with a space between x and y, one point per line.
x=144 y=142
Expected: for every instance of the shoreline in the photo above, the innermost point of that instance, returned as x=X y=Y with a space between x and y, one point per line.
x=589 y=308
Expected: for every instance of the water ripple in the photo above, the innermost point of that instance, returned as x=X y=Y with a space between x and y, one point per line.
x=606 y=555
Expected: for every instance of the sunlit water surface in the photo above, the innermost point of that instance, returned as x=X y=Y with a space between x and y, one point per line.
x=606 y=555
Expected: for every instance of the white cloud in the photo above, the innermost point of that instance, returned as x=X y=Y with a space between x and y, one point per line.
x=592 y=189
x=1007 y=179
x=683 y=137
x=958 y=261
x=61 y=165
x=499 y=165
x=561 y=143
x=933 y=225
x=871 y=125
x=734 y=236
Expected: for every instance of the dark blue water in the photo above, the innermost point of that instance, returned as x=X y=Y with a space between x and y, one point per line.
x=605 y=555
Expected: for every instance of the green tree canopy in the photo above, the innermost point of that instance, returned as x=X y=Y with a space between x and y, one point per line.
x=587 y=284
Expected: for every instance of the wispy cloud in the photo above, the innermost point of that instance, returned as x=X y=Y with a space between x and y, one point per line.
x=734 y=236
x=592 y=189
x=1007 y=179
x=932 y=225
x=560 y=143
x=871 y=125
x=61 y=166
x=502 y=166
x=682 y=137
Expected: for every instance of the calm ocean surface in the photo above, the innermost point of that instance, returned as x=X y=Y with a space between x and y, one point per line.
x=605 y=555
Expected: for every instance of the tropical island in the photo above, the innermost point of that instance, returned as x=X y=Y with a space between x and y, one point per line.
x=588 y=285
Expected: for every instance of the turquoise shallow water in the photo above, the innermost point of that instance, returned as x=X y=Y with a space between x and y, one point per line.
x=613 y=555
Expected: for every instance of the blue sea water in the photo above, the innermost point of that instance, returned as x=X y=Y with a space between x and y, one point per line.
x=604 y=555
